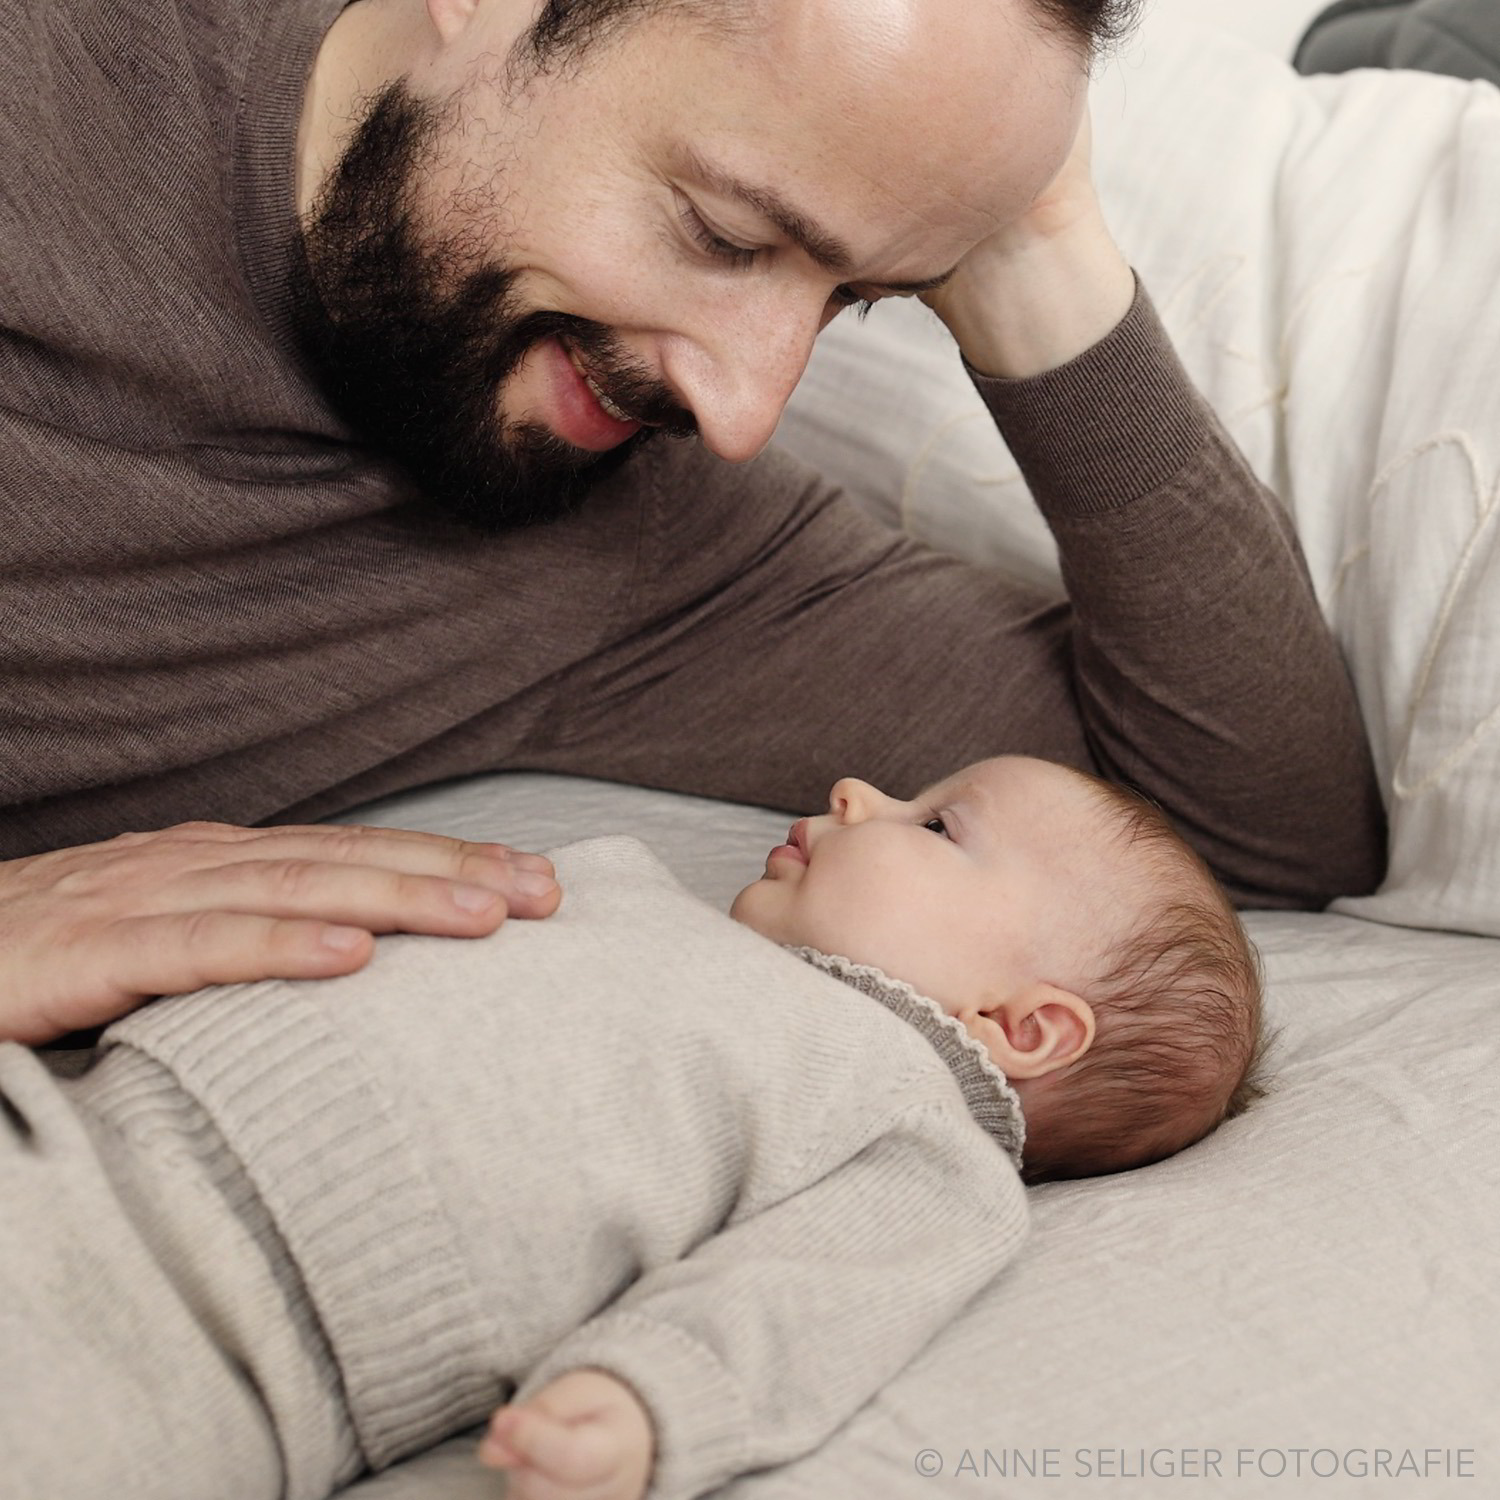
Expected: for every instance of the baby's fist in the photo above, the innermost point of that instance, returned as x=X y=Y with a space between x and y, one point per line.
x=584 y=1436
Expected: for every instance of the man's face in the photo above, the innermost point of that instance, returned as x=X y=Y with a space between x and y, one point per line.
x=521 y=277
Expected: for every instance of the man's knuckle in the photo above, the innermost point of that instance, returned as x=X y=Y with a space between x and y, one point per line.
x=295 y=880
x=132 y=839
x=480 y=868
x=200 y=930
x=78 y=883
x=348 y=845
x=203 y=828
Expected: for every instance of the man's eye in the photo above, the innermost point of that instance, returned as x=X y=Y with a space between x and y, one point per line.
x=936 y=825
x=715 y=245
x=846 y=296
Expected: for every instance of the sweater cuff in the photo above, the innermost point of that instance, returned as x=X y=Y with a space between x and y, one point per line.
x=326 y=1154
x=1115 y=423
x=696 y=1408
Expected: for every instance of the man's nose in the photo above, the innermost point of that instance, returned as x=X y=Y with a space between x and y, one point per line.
x=738 y=384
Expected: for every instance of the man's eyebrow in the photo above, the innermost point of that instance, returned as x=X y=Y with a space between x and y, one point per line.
x=826 y=249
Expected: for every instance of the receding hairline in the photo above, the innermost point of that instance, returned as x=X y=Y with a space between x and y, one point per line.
x=564 y=30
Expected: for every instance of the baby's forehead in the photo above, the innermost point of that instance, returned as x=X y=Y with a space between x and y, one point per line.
x=1024 y=787
x=1093 y=834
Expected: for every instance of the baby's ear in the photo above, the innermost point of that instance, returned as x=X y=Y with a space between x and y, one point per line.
x=1036 y=1030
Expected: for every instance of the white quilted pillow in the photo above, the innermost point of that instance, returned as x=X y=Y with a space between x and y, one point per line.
x=1326 y=253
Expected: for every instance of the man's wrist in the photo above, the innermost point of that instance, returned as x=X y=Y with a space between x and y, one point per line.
x=1037 y=307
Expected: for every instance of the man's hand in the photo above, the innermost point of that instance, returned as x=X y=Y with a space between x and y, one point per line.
x=1040 y=291
x=86 y=934
x=585 y=1436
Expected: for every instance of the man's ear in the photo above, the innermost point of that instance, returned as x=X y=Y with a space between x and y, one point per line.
x=1034 y=1031
x=451 y=18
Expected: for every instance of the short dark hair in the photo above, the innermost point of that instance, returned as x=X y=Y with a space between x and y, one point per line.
x=1092 y=22
x=565 y=29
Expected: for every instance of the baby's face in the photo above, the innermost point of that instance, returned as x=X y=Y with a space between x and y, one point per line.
x=1006 y=875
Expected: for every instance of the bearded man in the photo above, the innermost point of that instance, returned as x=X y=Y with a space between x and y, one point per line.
x=385 y=395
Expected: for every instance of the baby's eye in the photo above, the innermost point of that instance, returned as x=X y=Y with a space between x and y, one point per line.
x=936 y=825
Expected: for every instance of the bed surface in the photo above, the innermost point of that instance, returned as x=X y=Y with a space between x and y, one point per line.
x=1322 y=1274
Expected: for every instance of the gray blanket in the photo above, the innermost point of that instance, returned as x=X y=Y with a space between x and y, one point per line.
x=1459 y=37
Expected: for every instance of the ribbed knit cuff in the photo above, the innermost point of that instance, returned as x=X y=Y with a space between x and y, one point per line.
x=345 y=1190
x=697 y=1410
x=1117 y=422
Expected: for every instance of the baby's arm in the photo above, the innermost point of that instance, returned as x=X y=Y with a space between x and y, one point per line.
x=754 y=1348
x=583 y=1436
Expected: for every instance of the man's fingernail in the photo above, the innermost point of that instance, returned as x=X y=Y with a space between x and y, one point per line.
x=534 y=883
x=474 y=897
x=343 y=939
x=536 y=862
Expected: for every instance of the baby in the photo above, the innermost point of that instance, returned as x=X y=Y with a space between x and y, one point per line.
x=1061 y=918
x=1070 y=931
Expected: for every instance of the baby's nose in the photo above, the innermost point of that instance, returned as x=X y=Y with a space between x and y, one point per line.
x=853 y=800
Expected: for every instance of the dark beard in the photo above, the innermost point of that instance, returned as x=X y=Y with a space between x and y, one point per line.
x=412 y=356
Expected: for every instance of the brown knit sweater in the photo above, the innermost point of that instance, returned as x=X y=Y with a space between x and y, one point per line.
x=214 y=604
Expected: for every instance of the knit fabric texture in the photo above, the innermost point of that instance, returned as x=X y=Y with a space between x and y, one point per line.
x=986 y=1090
x=636 y=1136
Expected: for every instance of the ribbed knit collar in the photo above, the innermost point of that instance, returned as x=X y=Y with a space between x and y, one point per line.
x=263 y=145
x=986 y=1090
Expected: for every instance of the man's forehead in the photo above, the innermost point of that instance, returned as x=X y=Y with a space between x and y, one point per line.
x=947 y=116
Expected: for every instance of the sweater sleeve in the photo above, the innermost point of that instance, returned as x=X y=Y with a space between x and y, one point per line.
x=783 y=638
x=754 y=1348
x=1204 y=670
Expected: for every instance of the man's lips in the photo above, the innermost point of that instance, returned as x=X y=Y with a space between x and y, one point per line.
x=578 y=414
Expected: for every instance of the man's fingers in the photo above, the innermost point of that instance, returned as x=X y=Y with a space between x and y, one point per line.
x=294 y=872
x=526 y=880
x=358 y=839
x=379 y=900
x=87 y=932
x=172 y=954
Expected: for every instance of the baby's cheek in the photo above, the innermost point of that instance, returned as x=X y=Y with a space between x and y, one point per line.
x=853 y=924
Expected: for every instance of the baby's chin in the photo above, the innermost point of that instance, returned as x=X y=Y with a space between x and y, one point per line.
x=752 y=911
x=739 y=908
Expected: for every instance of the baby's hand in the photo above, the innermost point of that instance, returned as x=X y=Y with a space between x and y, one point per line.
x=585 y=1436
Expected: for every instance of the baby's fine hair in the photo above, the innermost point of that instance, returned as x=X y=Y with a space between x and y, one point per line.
x=1179 y=1041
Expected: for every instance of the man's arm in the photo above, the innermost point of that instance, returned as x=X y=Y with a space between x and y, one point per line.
x=783 y=639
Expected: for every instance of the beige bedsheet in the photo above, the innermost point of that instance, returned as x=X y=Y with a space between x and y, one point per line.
x=1321 y=1275
x=1306 y=1305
